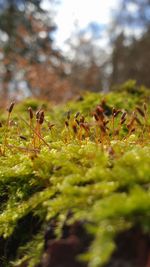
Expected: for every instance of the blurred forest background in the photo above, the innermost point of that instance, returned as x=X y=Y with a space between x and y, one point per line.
x=31 y=65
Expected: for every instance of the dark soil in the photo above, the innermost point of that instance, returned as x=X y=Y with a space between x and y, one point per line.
x=63 y=252
x=133 y=248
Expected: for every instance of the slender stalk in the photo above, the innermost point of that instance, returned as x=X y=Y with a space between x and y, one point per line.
x=36 y=133
x=7 y=127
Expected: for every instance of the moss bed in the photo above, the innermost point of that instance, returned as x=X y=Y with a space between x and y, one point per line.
x=75 y=181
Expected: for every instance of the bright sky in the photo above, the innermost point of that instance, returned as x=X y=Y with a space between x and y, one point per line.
x=82 y=12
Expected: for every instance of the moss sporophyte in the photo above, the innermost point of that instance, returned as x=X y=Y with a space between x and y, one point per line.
x=60 y=171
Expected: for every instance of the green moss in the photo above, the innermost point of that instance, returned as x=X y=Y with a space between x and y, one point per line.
x=102 y=179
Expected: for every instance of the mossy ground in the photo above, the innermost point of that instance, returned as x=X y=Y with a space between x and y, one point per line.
x=92 y=167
